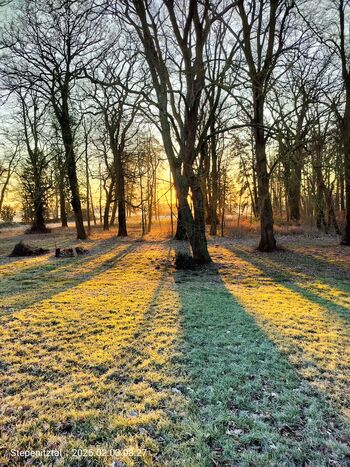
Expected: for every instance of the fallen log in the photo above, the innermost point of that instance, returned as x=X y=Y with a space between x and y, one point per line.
x=23 y=249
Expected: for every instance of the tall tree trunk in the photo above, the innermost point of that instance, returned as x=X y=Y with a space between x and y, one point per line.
x=194 y=225
x=346 y=144
x=332 y=219
x=199 y=242
x=122 y=229
x=214 y=185
x=114 y=213
x=68 y=142
x=205 y=181
x=294 y=189
x=267 y=239
x=320 y=192
x=87 y=185
x=181 y=233
x=100 y=192
x=92 y=208
x=4 y=188
x=75 y=200
x=38 y=225
x=63 y=211
x=188 y=226
x=108 y=206
x=39 y=220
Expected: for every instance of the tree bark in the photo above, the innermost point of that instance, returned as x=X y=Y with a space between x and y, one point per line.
x=120 y=192
x=122 y=229
x=74 y=186
x=346 y=145
x=267 y=239
x=198 y=240
x=320 y=192
x=294 y=190
x=63 y=118
x=38 y=225
x=214 y=186
x=63 y=212
x=87 y=184
x=108 y=206
x=6 y=182
x=181 y=233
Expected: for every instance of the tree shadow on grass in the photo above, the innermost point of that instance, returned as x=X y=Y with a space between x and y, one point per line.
x=133 y=398
x=280 y=268
x=337 y=259
x=314 y=267
x=253 y=406
x=43 y=281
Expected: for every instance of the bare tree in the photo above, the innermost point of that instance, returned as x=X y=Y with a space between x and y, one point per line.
x=34 y=168
x=343 y=49
x=177 y=100
x=118 y=106
x=8 y=164
x=265 y=24
x=49 y=43
x=332 y=31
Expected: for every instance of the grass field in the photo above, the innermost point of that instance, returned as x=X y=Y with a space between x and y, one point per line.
x=116 y=357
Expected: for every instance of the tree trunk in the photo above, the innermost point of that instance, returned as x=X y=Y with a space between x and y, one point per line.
x=87 y=186
x=120 y=181
x=107 y=207
x=193 y=228
x=267 y=239
x=194 y=225
x=67 y=137
x=92 y=208
x=332 y=218
x=294 y=191
x=205 y=181
x=320 y=192
x=38 y=225
x=181 y=233
x=75 y=201
x=346 y=144
x=214 y=186
x=198 y=240
x=4 y=188
x=63 y=212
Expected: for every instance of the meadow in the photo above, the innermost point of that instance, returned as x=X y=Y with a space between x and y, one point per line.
x=117 y=358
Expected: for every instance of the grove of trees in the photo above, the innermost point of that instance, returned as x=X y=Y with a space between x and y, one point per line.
x=238 y=105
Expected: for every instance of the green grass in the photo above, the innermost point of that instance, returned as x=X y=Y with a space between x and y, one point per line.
x=240 y=365
x=254 y=407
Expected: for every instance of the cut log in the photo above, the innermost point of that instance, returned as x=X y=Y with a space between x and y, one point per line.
x=22 y=249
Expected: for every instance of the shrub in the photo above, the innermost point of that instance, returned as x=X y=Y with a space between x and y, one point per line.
x=7 y=213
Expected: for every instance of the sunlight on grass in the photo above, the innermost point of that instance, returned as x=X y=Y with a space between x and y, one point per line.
x=13 y=267
x=95 y=365
x=334 y=255
x=256 y=410
x=42 y=279
x=316 y=339
x=117 y=350
x=337 y=294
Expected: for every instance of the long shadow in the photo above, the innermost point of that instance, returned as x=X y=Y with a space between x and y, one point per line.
x=291 y=281
x=254 y=407
x=136 y=340
x=138 y=363
x=325 y=272
x=39 y=275
x=155 y=335
x=339 y=268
